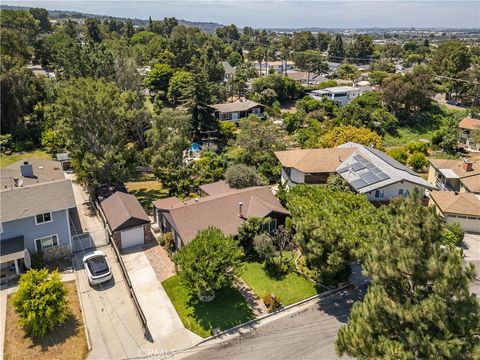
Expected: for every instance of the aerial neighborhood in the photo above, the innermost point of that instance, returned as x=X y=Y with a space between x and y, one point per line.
x=178 y=189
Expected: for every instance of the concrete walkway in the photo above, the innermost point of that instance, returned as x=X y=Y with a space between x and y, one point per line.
x=165 y=326
x=257 y=305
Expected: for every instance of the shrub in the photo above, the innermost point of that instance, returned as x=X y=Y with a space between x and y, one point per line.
x=263 y=245
x=38 y=260
x=271 y=302
x=168 y=241
x=41 y=301
x=400 y=155
x=247 y=232
x=418 y=161
x=452 y=235
x=417 y=147
x=241 y=176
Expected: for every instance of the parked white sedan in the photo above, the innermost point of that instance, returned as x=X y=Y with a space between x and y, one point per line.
x=97 y=267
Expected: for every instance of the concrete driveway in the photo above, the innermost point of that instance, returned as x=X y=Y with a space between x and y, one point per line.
x=164 y=324
x=471 y=246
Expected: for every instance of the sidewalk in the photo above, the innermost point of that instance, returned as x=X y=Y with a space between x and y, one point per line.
x=164 y=324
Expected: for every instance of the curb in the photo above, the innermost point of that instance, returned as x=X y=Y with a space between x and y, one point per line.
x=87 y=334
x=247 y=325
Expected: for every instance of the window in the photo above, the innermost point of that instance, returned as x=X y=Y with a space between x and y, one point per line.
x=379 y=194
x=43 y=218
x=46 y=242
x=400 y=192
x=271 y=226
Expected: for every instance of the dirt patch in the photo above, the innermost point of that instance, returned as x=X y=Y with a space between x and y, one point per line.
x=66 y=342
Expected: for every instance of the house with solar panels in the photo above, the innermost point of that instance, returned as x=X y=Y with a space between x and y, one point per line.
x=367 y=170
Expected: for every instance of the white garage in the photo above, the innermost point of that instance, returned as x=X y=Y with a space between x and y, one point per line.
x=132 y=237
x=463 y=208
x=128 y=222
x=469 y=224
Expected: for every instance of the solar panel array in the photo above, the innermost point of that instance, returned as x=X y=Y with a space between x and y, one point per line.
x=368 y=173
x=390 y=161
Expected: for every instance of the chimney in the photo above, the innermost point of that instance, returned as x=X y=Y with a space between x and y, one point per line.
x=26 y=169
x=240 y=206
x=467 y=165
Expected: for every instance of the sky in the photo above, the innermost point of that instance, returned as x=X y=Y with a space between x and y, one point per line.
x=285 y=13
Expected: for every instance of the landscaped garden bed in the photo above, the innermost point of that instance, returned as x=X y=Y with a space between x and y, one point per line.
x=228 y=309
x=289 y=288
x=66 y=342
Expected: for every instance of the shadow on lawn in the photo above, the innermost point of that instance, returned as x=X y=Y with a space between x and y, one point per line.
x=70 y=328
x=146 y=196
x=228 y=309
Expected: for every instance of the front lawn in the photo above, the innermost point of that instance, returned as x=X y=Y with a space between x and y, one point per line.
x=66 y=342
x=290 y=288
x=146 y=189
x=228 y=309
x=6 y=160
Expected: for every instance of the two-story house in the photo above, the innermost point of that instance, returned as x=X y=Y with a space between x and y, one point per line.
x=342 y=95
x=455 y=175
x=35 y=202
x=367 y=170
x=237 y=110
x=468 y=126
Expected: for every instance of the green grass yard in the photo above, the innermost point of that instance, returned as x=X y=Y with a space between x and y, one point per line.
x=290 y=288
x=146 y=189
x=6 y=160
x=228 y=309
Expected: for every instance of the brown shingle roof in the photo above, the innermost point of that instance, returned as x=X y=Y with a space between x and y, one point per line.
x=218 y=187
x=469 y=123
x=314 y=160
x=123 y=211
x=167 y=203
x=456 y=203
x=239 y=105
x=472 y=183
x=456 y=166
x=222 y=211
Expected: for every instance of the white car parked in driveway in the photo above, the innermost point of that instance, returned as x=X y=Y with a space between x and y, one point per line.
x=97 y=267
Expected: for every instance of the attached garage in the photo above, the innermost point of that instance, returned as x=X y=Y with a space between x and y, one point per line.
x=127 y=221
x=463 y=208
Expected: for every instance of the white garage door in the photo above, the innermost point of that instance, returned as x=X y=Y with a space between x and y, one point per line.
x=132 y=237
x=468 y=224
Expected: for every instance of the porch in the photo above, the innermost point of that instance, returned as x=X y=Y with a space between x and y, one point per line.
x=14 y=258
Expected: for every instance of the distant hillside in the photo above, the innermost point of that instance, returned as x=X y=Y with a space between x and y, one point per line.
x=62 y=14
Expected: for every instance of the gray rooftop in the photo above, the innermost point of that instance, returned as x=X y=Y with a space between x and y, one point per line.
x=369 y=169
x=31 y=200
x=44 y=170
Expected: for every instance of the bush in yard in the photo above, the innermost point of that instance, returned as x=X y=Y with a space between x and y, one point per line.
x=418 y=161
x=208 y=263
x=271 y=302
x=417 y=146
x=247 y=232
x=41 y=302
x=400 y=155
x=452 y=235
x=263 y=245
x=241 y=176
x=168 y=243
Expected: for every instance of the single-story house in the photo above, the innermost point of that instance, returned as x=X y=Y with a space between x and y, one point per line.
x=342 y=95
x=302 y=77
x=455 y=175
x=229 y=70
x=367 y=170
x=225 y=209
x=217 y=187
x=237 y=110
x=467 y=128
x=463 y=208
x=36 y=202
x=128 y=222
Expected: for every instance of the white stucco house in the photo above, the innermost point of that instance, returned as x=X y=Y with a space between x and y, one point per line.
x=367 y=170
x=342 y=95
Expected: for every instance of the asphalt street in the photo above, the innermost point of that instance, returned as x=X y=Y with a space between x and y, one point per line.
x=307 y=334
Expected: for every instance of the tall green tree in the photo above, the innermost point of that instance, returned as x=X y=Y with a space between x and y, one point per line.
x=93 y=118
x=332 y=228
x=419 y=305
x=336 y=49
x=211 y=261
